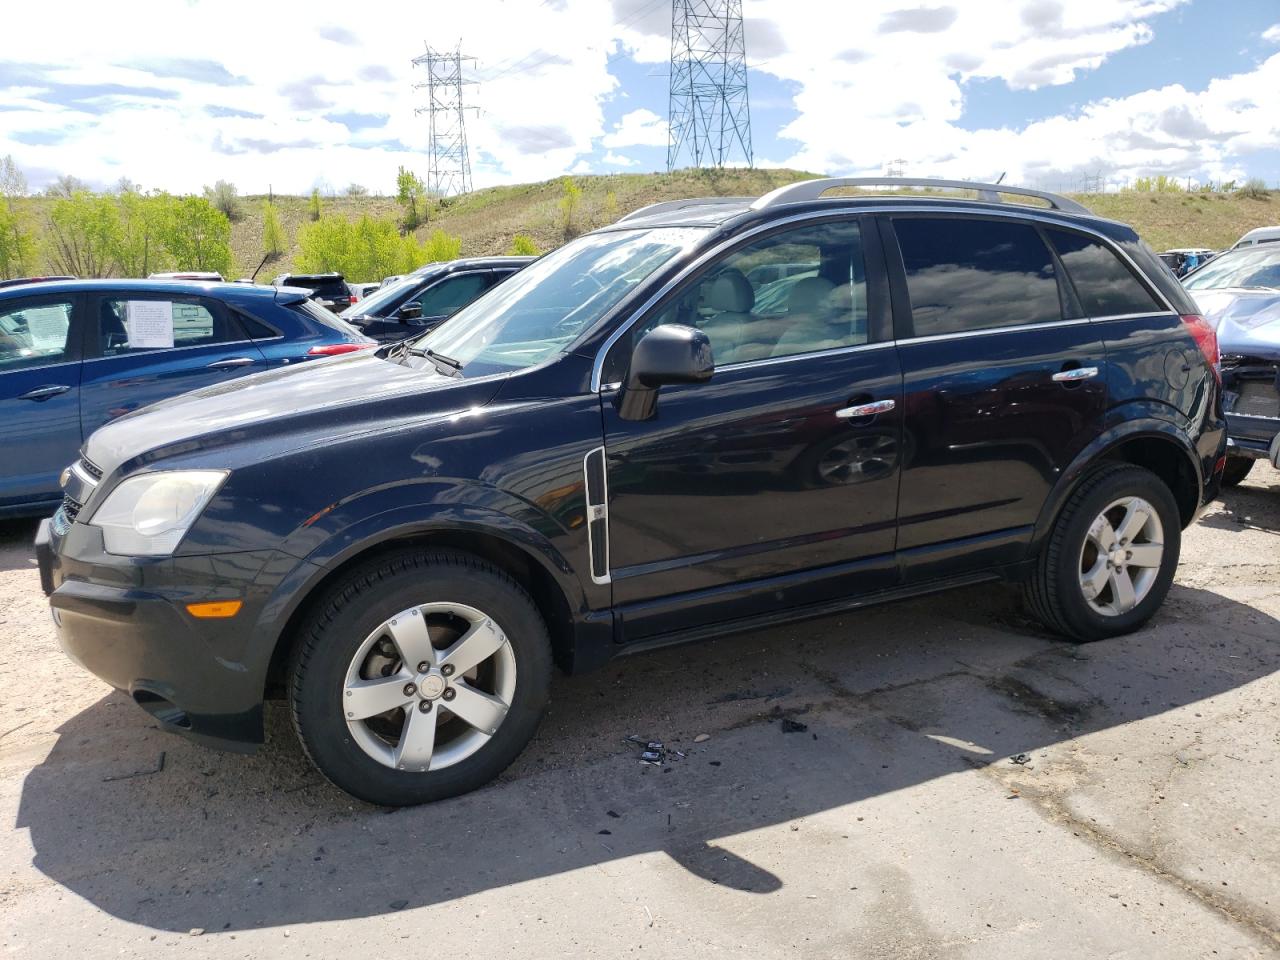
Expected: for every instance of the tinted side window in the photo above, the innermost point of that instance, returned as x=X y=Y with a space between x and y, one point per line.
x=34 y=334
x=800 y=291
x=1105 y=286
x=974 y=274
x=452 y=294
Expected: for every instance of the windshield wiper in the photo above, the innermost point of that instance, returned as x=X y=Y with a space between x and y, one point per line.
x=446 y=365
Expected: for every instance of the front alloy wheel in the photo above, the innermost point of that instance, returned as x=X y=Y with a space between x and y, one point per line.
x=420 y=676
x=429 y=686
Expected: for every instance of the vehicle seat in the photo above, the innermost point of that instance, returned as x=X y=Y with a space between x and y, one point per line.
x=729 y=297
x=815 y=320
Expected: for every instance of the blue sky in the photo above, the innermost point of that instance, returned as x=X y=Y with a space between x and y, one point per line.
x=1045 y=91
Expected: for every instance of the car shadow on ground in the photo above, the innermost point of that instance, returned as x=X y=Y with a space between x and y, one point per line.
x=1248 y=507
x=161 y=832
x=17 y=544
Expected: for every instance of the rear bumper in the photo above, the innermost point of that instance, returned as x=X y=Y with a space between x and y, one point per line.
x=124 y=620
x=1251 y=436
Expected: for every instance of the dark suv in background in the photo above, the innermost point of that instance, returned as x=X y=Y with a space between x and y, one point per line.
x=414 y=304
x=327 y=289
x=633 y=443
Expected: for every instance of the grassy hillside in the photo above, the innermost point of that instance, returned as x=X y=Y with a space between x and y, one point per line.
x=486 y=220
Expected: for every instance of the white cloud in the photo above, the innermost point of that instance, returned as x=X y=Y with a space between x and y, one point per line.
x=639 y=128
x=1272 y=33
x=869 y=83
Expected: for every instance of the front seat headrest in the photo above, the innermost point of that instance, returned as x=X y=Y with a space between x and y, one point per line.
x=809 y=295
x=731 y=291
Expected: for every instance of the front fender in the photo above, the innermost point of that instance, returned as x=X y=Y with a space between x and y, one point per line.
x=1098 y=450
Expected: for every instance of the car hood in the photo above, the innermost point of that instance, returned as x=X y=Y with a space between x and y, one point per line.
x=296 y=405
x=1247 y=321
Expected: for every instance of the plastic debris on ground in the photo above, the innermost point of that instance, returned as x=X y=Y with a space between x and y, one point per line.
x=654 y=753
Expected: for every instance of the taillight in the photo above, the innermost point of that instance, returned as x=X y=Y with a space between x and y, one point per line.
x=353 y=299
x=1206 y=339
x=333 y=349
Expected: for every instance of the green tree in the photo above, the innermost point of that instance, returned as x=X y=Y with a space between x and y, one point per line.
x=139 y=247
x=409 y=190
x=313 y=208
x=439 y=247
x=226 y=198
x=83 y=235
x=17 y=245
x=610 y=207
x=272 y=232
x=197 y=235
x=368 y=248
x=523 y=245
x=570 y=200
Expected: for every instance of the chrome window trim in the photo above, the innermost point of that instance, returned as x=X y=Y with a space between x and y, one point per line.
x=769 y=361
x=597 y=366
x=39 y=366
x=145 y=351
x=985 y=331
x=1133 y=316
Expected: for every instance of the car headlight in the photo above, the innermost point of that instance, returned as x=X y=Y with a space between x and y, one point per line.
x=147 y=515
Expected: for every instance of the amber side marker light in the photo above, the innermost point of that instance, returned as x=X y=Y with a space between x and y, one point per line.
x=215 y=609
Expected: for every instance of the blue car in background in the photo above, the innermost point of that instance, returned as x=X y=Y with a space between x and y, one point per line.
x=75 y=354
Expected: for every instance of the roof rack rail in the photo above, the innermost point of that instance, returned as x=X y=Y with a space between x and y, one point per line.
x=669 y=205
x=813 y=189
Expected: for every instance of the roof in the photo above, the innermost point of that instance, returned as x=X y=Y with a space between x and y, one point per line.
x=807 y=196
x=473 y=263
x=222 y=290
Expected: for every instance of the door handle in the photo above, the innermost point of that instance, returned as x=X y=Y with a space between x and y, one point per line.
x=1075 y=374
x=866 y=409
x=44 y=393
x=230 y=363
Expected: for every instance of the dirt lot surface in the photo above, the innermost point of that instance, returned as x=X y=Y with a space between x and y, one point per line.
x=1145 y=822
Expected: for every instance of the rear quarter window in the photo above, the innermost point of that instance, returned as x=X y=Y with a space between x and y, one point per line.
x=973 y=274
x=1105 y=286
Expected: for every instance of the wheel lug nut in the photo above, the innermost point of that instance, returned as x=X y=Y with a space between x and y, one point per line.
x=425 y=706
x=410 y=689
x=423 y=667
x=447 y=670
x=448 y=693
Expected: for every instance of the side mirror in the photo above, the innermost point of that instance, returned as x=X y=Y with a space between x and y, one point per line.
x=670 y=354
x=410 y=311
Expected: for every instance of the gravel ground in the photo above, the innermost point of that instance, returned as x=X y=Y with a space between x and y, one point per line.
x=1142 y=824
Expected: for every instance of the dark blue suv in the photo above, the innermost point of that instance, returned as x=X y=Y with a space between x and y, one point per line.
x=76 y=354
x=713 y=416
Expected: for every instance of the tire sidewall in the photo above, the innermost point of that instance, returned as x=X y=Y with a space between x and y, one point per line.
x=1079 y=615
x=368 y=599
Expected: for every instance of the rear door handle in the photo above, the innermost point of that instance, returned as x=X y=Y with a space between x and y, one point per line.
x=866 y=409
x=230 y=363
x=44 y=393
x=1075 y=374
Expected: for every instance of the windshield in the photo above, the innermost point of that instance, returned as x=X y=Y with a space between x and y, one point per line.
x=1246 y=267
x=373 y=305
x=540 y=310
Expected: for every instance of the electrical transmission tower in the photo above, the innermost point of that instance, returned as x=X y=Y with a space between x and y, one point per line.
x=709 y=118
x=448 y=164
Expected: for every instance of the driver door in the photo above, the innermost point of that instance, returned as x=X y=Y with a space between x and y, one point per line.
x=765 y=487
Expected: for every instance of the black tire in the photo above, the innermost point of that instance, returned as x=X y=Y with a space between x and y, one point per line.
x=1053 y=593
x=354 y=607
x=1236 y=470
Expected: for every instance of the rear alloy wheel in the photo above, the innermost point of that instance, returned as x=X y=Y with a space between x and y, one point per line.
x=420 y=676
x=1236 y=470
x=1110 y=558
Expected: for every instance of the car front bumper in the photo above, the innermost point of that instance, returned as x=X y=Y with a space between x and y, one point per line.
x=125 y=620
